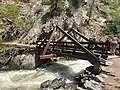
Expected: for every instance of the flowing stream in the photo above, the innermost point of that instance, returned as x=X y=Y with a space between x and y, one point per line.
x=31 y=79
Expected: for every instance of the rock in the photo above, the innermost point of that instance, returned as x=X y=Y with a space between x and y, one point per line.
x=10 y=60
x=7 y=56
x=17 y=60
x=108 y=63
x=62 y=82
x=104 y=76
x=45 y=84
x=100 y=79
x=28 y=62
x=55 y=84
x=71 y=86
x=92 y=85
x=58 y=84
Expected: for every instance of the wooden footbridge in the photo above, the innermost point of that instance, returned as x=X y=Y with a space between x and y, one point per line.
x=59 y=42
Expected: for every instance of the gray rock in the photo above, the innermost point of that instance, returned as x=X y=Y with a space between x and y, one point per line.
x=45 y=84
x=7 y=56
x=71 y=86
x=55 y=84
x=28 y=62
x=104 y=76
x=100 y=78
x=17 y=60
x=93 y=85
x=62 y=82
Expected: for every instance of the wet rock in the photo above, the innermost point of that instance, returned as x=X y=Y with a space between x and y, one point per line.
x=55 y=84
x=45 y=84
x=62 y=82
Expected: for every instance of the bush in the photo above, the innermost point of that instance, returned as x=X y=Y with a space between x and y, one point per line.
x=9 y=10
x=12 y=12
x=113 y=20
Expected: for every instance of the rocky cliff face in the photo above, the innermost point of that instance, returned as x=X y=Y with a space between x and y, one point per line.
x=32 y=13
x=29 y=28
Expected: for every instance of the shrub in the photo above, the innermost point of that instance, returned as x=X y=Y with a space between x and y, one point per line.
x=9 y=10
x=113 y=20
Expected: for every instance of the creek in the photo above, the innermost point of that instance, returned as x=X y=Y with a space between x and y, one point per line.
x=31 y=79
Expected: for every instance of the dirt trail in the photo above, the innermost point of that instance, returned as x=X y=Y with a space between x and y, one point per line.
x=113 y=80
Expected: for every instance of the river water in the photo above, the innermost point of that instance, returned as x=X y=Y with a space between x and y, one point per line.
x=31 y=79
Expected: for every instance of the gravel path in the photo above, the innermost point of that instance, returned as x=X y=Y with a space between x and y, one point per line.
x=113 y=80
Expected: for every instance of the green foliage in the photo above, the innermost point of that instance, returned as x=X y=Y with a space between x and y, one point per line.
x=12 y=11
x=9 y=10
x=113 y=20
x=28 y=22
x=19 y=22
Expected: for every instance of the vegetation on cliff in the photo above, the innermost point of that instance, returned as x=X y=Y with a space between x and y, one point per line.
x=113 y=19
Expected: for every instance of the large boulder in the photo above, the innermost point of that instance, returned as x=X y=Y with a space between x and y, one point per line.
x=28 y=62
x=10 y=60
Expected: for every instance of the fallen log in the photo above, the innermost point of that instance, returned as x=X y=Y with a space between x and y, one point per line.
x=18 y=45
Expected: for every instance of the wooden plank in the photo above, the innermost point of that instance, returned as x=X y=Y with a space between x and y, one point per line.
x=49 y=56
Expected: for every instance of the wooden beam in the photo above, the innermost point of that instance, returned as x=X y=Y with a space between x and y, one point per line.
x=81 y=35
x=48 y=43
x=64 y=36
